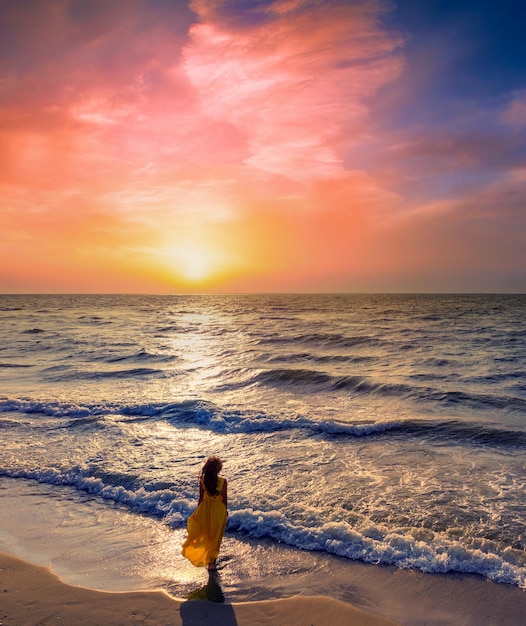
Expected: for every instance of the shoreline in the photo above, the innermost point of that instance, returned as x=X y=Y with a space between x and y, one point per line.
x=95 y=545
x=32 y=595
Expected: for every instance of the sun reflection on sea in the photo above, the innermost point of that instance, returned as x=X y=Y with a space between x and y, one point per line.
x=198 y=352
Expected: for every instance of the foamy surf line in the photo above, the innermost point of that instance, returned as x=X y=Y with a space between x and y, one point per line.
x=248 y=572
x=199 y=414
x=352 y=532
x=206 y=415
x=404 y=548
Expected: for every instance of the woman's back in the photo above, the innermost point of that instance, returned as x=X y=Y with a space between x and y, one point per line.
x=219 y=489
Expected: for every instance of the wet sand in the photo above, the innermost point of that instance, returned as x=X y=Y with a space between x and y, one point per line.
x=32 y=595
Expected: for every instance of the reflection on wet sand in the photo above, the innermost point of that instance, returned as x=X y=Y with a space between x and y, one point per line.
x=193 y=613
x=211 y=591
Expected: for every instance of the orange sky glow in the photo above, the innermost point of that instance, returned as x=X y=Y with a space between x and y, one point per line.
x=281 y=145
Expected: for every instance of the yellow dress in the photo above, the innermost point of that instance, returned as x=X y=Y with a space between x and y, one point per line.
x=206 y=527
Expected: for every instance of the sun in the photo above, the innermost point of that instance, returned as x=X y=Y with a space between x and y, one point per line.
x=197 y=261
x=194 y=262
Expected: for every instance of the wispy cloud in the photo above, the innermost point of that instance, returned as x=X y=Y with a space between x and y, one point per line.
x=294 y=76
x=515 y=113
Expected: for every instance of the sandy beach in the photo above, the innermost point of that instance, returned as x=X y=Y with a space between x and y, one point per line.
x=32 y=595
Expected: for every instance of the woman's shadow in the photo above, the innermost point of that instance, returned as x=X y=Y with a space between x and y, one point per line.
x=193 y=613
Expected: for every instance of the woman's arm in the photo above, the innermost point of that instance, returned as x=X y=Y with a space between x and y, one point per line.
x=201 y=492
x=224 y=493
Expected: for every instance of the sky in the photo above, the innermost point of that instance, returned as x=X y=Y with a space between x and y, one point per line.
x=165 y=146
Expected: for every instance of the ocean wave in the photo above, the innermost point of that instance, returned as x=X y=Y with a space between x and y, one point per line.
x=289 y=376
x=407 y=547
x=172 y=328
x=52 y=409
x=466 y=432
x=333 y=340
x=15 y=365
x=404 y=548
x=142 y=356
x=199 y=414
x=4 y=423
x=478 y=401
x=85 y=423
x=64 y=373
x=206 y=415
x=434 y=362
x=306 y=357
x=95 y=320
x=166 y=503
x=314 y=380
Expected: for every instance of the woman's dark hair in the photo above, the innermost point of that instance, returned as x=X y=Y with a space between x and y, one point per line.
x=209 y=474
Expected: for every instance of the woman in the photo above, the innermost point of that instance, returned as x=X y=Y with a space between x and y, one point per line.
x=206 y=525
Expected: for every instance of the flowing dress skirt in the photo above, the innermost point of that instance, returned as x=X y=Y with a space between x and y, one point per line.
x=206 y=527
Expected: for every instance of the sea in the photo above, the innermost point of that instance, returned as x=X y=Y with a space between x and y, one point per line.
x=384 y=429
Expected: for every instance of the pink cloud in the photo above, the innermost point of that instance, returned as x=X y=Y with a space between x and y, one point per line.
x=515 y=113
x=295 y=81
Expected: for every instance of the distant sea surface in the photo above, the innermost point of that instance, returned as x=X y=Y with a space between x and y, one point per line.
x=389 y=429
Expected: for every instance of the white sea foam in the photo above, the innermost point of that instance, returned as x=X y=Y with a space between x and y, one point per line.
x=200 y=414
x=368 y=543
